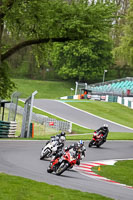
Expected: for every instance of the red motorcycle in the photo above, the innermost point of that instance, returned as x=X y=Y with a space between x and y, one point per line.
x=59 y=165
x=97 y=139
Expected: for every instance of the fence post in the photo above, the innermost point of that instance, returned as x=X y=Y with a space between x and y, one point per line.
x=32 y=130
x=27 y=116
x=13 y=106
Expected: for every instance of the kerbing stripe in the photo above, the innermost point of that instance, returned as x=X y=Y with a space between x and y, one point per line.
x=85 y=169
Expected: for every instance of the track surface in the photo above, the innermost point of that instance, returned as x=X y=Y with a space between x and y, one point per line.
x=77 y=116
x=21 y=158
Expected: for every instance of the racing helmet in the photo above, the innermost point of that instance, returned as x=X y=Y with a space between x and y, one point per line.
x=62 y=139
x=80 y=143
x=105 y=125
x=63 y=134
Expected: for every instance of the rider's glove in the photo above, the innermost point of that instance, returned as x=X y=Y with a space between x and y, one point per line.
x=65 y=149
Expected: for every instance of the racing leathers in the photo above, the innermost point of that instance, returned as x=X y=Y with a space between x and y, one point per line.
x=76 y=150
x=104 y=130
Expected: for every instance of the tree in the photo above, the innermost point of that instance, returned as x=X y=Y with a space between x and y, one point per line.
x=117 y=32
x=34 y=23
x=123 y=54
x=85 y=60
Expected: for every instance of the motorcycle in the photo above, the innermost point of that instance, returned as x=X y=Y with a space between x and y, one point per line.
x=49 y=149
x=96 y=140
x=67 y=161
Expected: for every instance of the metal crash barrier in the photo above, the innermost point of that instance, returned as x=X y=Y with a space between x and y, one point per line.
x=7 y=129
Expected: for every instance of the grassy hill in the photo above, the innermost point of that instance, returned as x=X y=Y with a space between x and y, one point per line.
x=46 y=89
x=54 y=90
x=108 y=110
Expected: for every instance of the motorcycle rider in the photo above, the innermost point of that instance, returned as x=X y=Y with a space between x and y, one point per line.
x=61 y=135
x=77 y=148
x=57 y=137
x=60 y=145
x=104 y=130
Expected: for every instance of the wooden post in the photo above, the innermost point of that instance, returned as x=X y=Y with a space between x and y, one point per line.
x=32 y=130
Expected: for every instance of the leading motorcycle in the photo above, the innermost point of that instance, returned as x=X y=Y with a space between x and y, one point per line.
x=67 y=161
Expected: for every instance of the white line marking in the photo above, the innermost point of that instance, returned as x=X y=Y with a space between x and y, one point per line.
x=98 y=116
x=81 y=111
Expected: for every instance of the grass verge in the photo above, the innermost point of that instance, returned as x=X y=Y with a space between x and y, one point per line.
x=121 y=172
x=46 y=89
x=18 y=188
x=108 y=110
x=80 y=130
x=111 y=136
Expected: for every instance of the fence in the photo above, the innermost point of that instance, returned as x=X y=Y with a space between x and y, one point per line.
x=126 y=101
x=52 y=123
x=43 y=123
x=13 y=106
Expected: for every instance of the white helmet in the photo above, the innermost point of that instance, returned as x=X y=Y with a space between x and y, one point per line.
x=62 y=139
x=105 y=125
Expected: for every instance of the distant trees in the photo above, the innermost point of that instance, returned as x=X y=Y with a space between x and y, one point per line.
x=76 y=24
x=86 y=58
x=123 y=53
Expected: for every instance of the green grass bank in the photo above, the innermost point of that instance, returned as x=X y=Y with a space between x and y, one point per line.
x=18 y=188
x=121 y=171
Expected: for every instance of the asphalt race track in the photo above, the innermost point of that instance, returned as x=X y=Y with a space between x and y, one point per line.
x=76 y=116
x=21 y=158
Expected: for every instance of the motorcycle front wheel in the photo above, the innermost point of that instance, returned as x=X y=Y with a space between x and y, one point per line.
x=44 y=155
x=99 y=144
x=62 y=168
x=49 y=170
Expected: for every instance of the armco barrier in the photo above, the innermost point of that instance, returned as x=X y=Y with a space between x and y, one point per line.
x=7 y=129
x=127 y=101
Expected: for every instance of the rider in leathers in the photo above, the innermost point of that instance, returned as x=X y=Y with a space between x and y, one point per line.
x=76 y=148
x=60 y=145
x=104 y=130
x=57 y=137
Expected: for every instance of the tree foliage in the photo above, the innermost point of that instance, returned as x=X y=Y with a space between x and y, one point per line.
x=85 y=60
x=124 y=52
x=58 y=21
x=82 y=60
x=6 y=85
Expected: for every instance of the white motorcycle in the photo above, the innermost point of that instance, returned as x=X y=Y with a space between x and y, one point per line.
x=48 y=150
